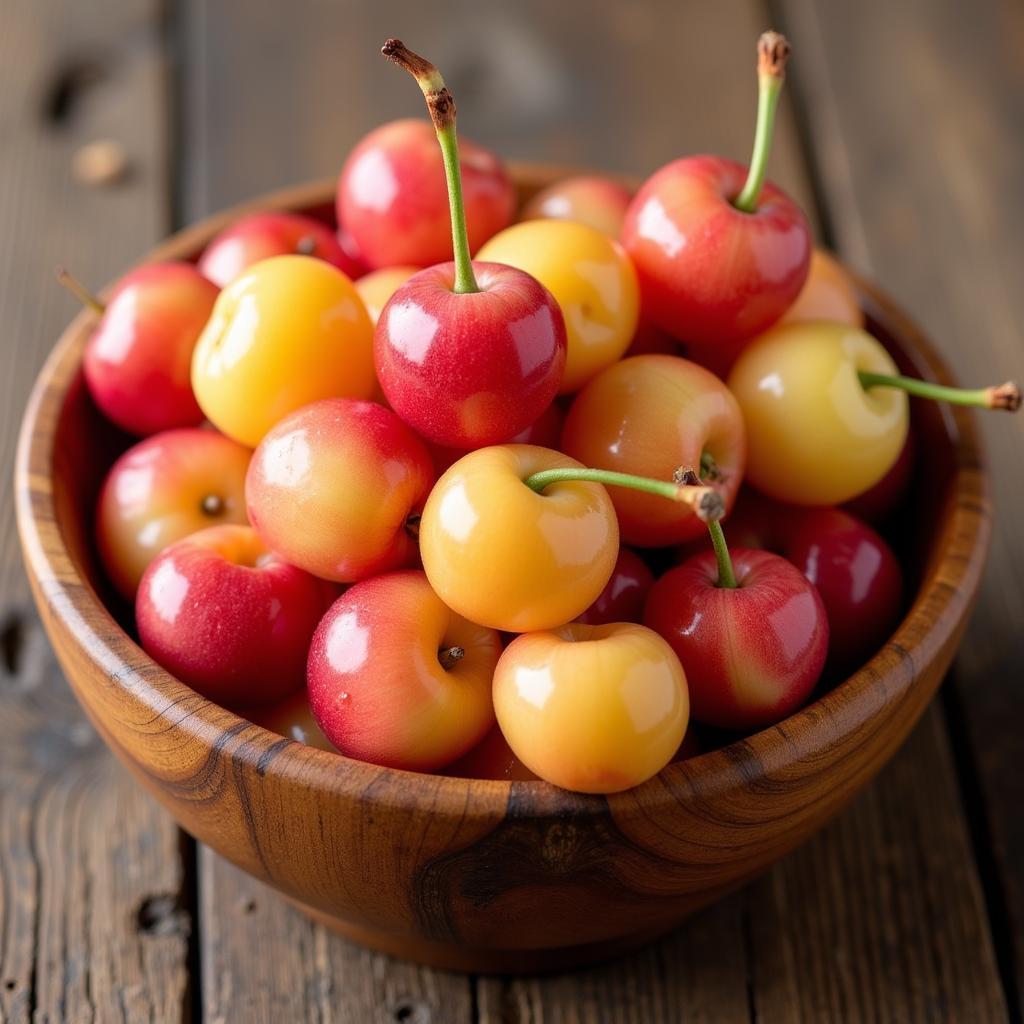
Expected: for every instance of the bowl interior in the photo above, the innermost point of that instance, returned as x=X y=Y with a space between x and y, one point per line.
x=84 y=445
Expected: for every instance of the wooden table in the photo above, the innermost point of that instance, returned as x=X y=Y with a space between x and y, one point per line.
x=901 y=133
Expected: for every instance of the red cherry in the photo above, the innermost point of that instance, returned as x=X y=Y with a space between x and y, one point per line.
x=262 y=235
x=472 y=369
x=720 y=255
x=623 y=597
x=227 y=617
x=392 y=199
x=752 y=653
x=138 y=362
x=467 y=354
x=877 y=503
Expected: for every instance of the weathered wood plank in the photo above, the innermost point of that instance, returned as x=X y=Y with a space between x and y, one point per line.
x=915 y=111
x=263 y=960
x=91 y=925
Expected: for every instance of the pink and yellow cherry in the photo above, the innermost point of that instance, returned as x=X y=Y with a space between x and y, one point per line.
x=826 y=410
x=521 y=538
x=293 y=719
x=719 y=253
x=649 y=340
x=398 y=679
x=331 y=488
x=273 y=233
x=138 y=359
x=592 y=280
x=228 y=617
x=623 y=597
x=289 y=331
x=827 y=294
x=595 y=709
x=750 y=630
x=392 y=199
x=590 y=199
x=378 y=286
x=163 y=489
x=648 y=415
x=491 y=758
x=467 y=354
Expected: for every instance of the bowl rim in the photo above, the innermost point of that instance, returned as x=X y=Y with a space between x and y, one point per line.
x=71 y=599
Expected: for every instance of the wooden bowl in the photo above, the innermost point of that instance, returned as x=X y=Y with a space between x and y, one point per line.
x=482 y=875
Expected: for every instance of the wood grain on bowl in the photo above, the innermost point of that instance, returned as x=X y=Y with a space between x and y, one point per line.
x=476 y=874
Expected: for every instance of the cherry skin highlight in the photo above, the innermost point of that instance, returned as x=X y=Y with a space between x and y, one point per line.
x=393 y=202
x=229 y=618
x=262 y=235
x=752 y=653
x=162 y=489
x=332 y=486
x=137 y=362
x=473 y=369
x=396 y=678
x=590 y=199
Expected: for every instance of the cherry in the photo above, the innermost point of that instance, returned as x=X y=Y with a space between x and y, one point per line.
x=720 y=254
x=138 y=361
x=749 y=628
x=392 y=202
x=273 y=233
x=590 y=199
x=467 y=354
x=623 y=597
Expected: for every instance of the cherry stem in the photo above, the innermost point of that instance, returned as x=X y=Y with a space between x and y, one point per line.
x=306 y=246
x=212 y=505
x=80 y=292
x=772 y=54
x=442 y=112
x=726 y=575
x=706 y=502
x=1005 y=396
x=450 y=657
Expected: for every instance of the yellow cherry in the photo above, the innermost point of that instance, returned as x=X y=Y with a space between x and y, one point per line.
x=815 y=434
x=592 y=280
x=596 y=709
x=378 y=286
x=502 y=555
x=289 y=331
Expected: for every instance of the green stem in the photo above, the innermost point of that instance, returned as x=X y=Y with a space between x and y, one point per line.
x=772 y=51
x=80 y=292
x=442 y=113
x=1006 y=396
x=705 y=501
x=726 y=576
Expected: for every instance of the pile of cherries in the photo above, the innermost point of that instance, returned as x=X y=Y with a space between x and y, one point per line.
x=412 y=507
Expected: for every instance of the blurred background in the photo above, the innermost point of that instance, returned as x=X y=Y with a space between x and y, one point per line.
x=901 y=132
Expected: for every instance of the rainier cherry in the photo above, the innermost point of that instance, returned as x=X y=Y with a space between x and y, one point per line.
x=162 y=489
x=720 y=254
x=262 y=235
x=827 y=294
x=649 y=415
x=378 y=286
x=292 y=718
x=592 y=280
x=332 y=487
x=749 y=629
x=826 y=411
x=466 y=354
x=137 y=361
x=596 y=709
x=398 y=679
x=227 y=617
x=522 y=538
x=289 y=331
x=596 y=201
x=392 y=199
